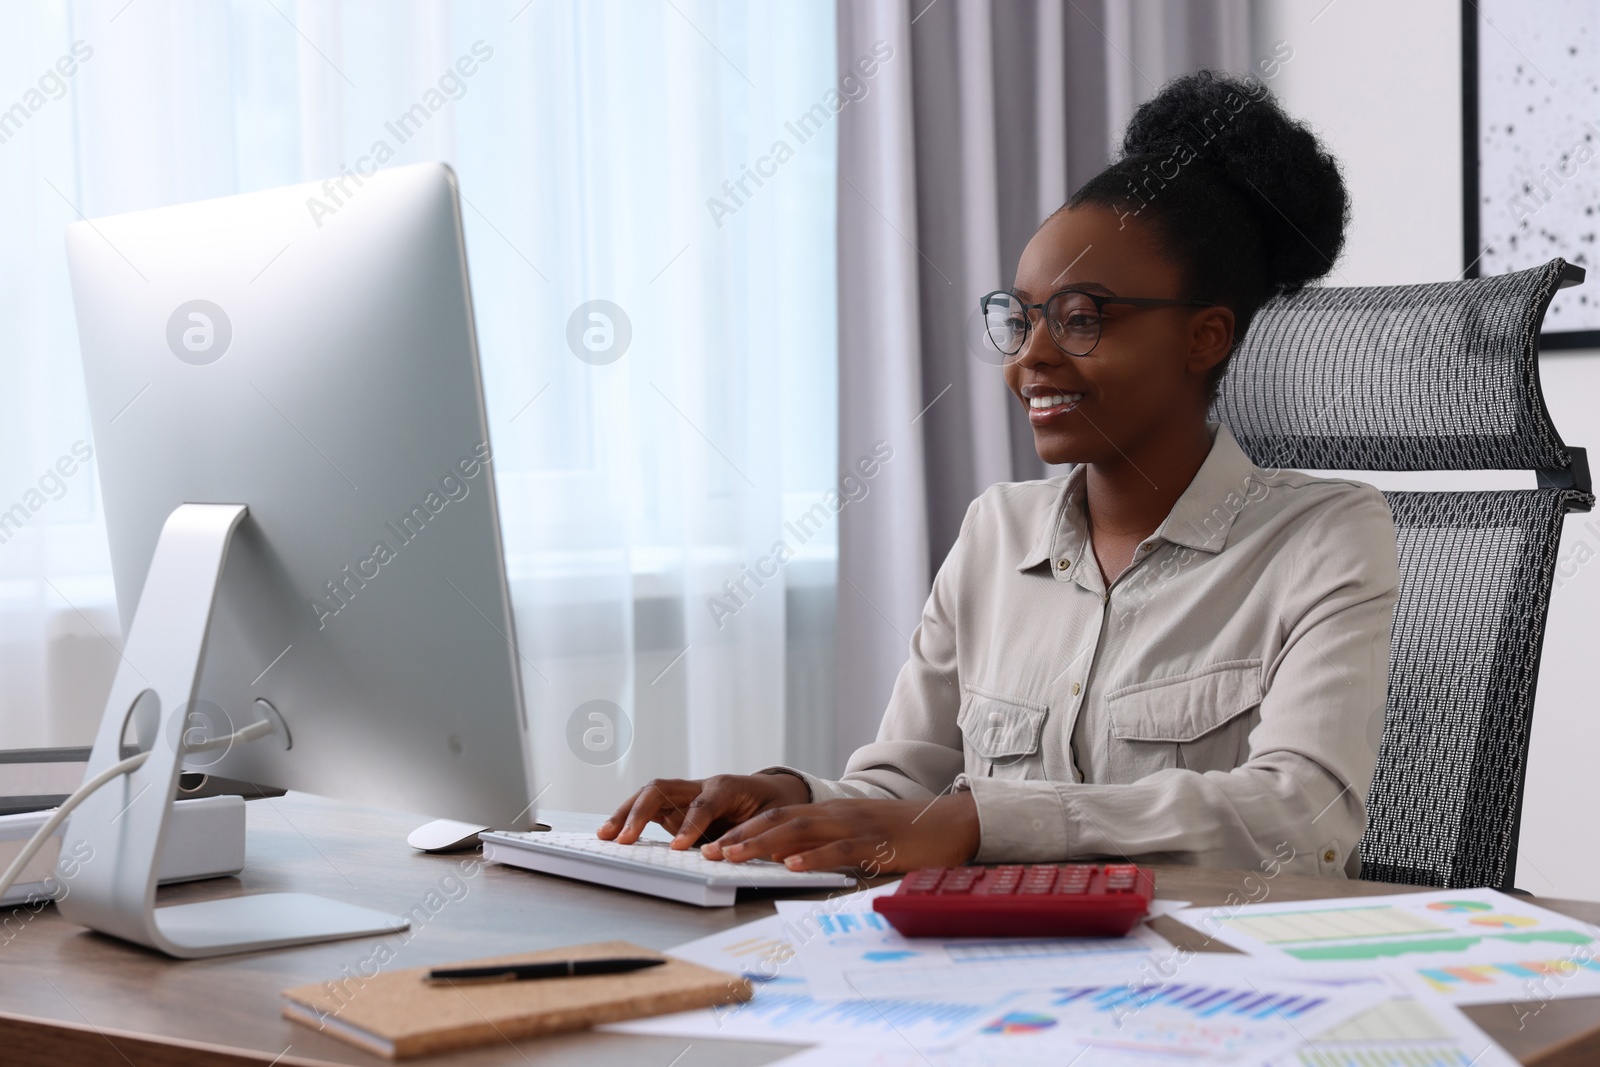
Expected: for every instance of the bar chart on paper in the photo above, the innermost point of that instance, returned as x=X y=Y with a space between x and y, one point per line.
x=1474 y=946
x=1334 y=924
x=1391 y=1056
x=1235 y=1017
x=1448 y=924
x=1401 y=1032
x=783 y=1011
x=1195 y=1001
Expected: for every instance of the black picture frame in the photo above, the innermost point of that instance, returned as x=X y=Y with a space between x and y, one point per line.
x=1471 y=184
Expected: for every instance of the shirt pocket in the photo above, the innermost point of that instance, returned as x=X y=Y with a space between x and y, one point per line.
x=1200 y=721
x=1001 y=734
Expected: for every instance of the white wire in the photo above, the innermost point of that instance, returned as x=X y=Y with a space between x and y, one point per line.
x=256 y=729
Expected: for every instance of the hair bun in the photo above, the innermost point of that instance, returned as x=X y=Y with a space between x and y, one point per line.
x=1236 y=126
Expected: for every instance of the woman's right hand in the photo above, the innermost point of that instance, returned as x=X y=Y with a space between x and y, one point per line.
x=694 y=808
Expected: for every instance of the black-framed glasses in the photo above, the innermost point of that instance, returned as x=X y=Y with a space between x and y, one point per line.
x=1073 y=316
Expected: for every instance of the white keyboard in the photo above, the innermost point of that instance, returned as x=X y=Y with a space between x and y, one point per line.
x=647 y=867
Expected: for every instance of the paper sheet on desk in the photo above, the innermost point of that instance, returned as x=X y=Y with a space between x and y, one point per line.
x=765 y=948
x=847 y=951
x=1213 y=1013
x=1220 y=1014
x=1413 y=1028
x=784 y=1011
x=1402 y=1030
x=1214 y=1006
x=1056 y=1051
x=1472 y=946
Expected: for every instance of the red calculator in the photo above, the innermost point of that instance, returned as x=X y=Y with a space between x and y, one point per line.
x=1041 y=900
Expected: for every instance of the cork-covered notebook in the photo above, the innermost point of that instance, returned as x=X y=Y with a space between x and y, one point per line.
x=399 y=1015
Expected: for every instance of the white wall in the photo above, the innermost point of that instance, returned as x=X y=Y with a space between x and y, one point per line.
x=1381 y=83
x=1558 y=828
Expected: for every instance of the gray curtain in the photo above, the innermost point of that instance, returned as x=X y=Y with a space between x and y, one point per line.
x=985 y=117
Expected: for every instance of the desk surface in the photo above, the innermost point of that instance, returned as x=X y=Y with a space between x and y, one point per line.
x=72 y=997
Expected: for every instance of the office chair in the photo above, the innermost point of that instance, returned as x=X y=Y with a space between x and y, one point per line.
x=1433 y=377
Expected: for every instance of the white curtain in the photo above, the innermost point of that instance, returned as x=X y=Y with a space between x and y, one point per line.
x=626 y=152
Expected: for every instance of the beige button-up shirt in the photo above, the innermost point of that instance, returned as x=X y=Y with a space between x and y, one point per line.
x=1220 y=704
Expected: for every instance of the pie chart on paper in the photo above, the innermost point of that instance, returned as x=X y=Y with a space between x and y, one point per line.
x=1504 y=922
x=1460 y=905
x=1020 y=1022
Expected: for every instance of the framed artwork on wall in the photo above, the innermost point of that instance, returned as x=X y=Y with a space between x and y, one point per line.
x=1531 y=141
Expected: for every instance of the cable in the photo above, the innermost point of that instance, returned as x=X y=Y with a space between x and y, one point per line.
x=256 y=729
x=259 y=728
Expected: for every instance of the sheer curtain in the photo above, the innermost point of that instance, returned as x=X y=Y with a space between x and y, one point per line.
x=669 y=158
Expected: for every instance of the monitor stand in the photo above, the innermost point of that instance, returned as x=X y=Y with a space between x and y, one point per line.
x=116 y=834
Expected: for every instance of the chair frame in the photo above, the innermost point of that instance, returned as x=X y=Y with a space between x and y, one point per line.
x=1273 y=428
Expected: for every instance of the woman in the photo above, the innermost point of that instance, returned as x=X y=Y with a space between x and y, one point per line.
x=1169 y=653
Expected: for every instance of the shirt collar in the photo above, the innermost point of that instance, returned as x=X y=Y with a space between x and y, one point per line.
x=1200 y=519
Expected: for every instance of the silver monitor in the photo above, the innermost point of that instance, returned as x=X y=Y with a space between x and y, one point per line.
x=298 y=482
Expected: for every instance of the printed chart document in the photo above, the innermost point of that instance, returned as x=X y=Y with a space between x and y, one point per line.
x=1418 y=1028
x=784 y=1011
x=1205 y=1016
x=1223 y=1015
x=1034 y=1049
x=1471 y=946
x=1196 y=1011
x=848 y=951
x=1400 y=1029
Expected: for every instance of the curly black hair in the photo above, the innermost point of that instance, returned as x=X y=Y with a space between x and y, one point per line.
x=1243 y=198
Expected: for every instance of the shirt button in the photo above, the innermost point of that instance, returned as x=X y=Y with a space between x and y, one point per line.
x=1063 y=564
x=1075 y=688
x=1329 y=856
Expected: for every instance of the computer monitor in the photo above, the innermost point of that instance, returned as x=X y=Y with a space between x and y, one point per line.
x=298 y=482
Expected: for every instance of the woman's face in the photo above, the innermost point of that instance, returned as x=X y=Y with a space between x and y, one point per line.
x=1150 y=365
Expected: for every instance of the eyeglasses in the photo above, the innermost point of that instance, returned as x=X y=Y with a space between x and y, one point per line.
x=1074 y=317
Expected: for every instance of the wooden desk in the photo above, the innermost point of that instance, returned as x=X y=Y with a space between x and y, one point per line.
x=71 y=997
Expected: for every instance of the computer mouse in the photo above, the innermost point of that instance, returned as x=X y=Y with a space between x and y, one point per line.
x=445 y=835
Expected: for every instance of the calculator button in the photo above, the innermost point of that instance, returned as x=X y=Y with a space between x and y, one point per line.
x=1002 y=881
x=1075 y=878
x=1120 y=878
x=961 y=880
x=923 y=881
x=1037 y=880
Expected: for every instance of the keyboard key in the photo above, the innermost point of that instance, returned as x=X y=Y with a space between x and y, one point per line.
x=653 y=853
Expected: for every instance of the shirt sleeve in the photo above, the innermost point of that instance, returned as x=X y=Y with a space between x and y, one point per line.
x=918 y=752
x=1299 y=801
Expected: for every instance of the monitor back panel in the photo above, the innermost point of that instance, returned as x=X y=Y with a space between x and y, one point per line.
x=320 y=367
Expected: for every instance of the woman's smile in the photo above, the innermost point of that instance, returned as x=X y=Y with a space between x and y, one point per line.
x=1048 y=405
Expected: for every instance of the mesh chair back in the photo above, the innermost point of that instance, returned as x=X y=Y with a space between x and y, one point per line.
x=1433 y=377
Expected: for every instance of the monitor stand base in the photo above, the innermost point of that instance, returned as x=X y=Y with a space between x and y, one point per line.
x=266 y=920
x=112 y=841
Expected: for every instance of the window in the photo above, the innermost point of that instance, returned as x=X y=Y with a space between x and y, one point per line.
x=650 y=155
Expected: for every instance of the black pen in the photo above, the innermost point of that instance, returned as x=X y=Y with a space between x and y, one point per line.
x=517 y=972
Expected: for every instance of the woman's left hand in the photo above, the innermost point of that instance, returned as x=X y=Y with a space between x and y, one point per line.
x=877 y=836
